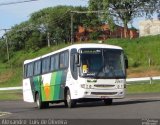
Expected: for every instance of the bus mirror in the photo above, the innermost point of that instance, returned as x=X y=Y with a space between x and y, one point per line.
x=126 y=63
x=77 y=59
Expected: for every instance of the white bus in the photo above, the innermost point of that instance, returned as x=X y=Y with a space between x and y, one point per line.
x=82 y=72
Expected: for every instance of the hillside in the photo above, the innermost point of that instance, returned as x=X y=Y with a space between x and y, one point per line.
x=143 y=56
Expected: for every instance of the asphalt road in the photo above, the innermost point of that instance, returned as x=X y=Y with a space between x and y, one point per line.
x=135 y=106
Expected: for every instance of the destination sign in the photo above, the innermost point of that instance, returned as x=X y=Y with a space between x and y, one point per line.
x=91 y=51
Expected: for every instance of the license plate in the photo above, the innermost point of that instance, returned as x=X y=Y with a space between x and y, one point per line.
x=104 y=97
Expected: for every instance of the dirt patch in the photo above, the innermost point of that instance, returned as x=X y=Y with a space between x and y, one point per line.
x=147 y=73
x=5 y=76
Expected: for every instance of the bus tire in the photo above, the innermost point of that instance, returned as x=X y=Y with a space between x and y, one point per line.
x=69 y=102
x=46 y=104
x=39 y=102
x=108 y=101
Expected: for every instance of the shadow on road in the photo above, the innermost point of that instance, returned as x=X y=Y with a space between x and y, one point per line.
x=100 y=103
x=135 y=101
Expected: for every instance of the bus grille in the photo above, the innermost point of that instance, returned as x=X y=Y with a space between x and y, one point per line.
x=104 y=93
x=104 y=86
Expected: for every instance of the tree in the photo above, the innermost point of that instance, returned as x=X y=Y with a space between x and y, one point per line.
x=34 y=42
x=18 y=35
x=57 y=21
x=33 y=34
x=125 y=10
x=3 y=54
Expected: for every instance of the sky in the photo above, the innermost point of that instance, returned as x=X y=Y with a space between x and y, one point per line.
x=11 y=15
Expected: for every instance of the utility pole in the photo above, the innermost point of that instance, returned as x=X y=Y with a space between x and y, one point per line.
x=48 y=39
x=8 y=56
x=72 y=37
x=7 y=48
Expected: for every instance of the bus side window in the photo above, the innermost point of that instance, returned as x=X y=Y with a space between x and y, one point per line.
x=64 y=60
x=30 y=70
x=54 y=62
x=37 y=67
x=45 y=65
x=73 y=64
x=25 y=71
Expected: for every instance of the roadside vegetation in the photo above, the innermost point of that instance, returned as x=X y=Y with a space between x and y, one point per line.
x=132 y=88
x=49 y=29
x=143 y=87
x=139 y=51
x=143 y=55
x=11 y=74
x=11 y=95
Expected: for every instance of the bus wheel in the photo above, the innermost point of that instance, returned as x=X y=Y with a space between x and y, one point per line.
x=40 y=104
x=46 y=105
x=70 y=102
x=108 y=101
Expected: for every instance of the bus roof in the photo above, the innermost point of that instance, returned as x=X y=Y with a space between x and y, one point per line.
x=76 y=46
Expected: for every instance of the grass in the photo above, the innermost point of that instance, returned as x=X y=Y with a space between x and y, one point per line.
x=139 y=51
x=11 y=95
x=11 y=77
x=135 y=88
x=144 y=87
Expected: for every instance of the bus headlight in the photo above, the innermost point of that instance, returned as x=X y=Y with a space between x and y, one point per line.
x=83 y=86
x=121 y=86
x=90 y=86
x=118 y=87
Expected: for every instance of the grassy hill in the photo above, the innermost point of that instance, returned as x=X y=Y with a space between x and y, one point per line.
x=143 y=55
x=140 y=50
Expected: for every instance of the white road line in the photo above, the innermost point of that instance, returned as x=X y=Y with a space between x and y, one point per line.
x=4 y=113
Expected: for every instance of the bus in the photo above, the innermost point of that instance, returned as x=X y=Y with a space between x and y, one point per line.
x=77 y=73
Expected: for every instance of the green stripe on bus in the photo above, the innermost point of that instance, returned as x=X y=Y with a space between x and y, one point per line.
x=37 y=83
x=43 y=93
x=57 y=85
x=53 y=83
x=54 y=88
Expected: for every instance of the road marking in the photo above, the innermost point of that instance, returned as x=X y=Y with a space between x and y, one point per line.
x=4 y=113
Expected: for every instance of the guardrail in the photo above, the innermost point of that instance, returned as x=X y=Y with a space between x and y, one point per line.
x=129 y=80
x=133 y=80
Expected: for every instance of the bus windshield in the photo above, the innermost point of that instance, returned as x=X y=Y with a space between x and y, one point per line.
x=102 y=63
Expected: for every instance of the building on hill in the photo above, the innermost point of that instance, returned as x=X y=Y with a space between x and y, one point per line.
x=83 y=34
x=149 y=27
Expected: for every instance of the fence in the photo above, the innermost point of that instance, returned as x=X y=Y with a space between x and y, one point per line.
x=129 y=81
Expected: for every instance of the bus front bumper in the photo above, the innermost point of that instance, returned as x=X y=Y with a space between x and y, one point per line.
x=101 y=94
